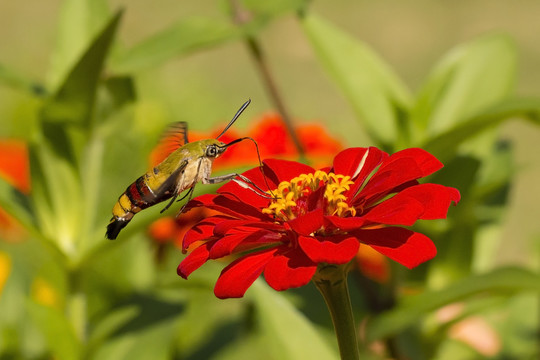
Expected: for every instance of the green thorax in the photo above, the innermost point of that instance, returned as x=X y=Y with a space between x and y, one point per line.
x=191 y=152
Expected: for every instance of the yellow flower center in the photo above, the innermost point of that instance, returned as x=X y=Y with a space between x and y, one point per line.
x=292 y=198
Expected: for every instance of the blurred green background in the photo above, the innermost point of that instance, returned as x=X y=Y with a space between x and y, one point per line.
x=205 y=87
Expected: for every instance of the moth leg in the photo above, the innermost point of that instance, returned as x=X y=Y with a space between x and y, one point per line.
x=186 y=195
x=245 y=183
x=190 y=194
x=169 y=204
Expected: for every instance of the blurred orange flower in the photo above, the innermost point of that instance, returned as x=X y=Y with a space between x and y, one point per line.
x=372 y=264
x=170 y=229
x=14 y=164
x=15 y=169
x=273 y=139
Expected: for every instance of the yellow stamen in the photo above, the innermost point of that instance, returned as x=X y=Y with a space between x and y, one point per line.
x=291 y=196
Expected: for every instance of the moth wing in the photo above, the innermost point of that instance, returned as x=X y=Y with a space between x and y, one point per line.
x=177 y=132
x=173 y=137
x=169 y=187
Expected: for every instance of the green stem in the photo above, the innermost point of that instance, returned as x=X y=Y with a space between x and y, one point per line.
x=76 y=306
x=273 y=92
x=241 y=16
x=331 y=280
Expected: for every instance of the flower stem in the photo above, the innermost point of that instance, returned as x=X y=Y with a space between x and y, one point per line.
x=76 y=306
x=331 y=280
x=241 y=16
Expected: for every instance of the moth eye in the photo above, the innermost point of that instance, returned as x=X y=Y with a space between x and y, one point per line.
x=211 y=151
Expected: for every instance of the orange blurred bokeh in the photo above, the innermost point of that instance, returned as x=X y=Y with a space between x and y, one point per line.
x=15 y=169
x=273 y=140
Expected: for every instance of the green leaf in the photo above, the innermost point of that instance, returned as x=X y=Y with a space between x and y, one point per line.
x=23 y=209
x=470 y=78
x=504 y=280
x=204 y=319
x=20 y=82
x=454 y=246
x=289 y=334
x=143 y=329
x=66 y=213
x=121 y=89
x=74 y=100
x=16 y=204
x=184 y=37
x=56 y=329
x=519 y=327
x=375 y=92
x=78 y=24
x=56 y=196
x=273 y=9
x=56 y=184
x=444 y=145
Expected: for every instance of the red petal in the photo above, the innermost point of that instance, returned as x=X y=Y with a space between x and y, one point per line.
x=337 y=249
x=275 y=170
x=226 y=227
x=349 y=162
x=308 y=223
x=284 y=170
x=289 y=270
x=202 y=231
x=433 y=200
x=387 y=178
x=195 y=259
x=407 y=247
x=243 y=241
x=358 y=163
x=229 y=206
x=398 y=169
x=226 y=245
x=403 y=211
x=326 y=169
x=346 y=224
x=250 y=195
x=222 y=228
x=237 y=277
x=256 y=176
x=425 y=161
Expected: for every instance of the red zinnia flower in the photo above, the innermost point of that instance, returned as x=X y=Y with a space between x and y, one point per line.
x=318 y=217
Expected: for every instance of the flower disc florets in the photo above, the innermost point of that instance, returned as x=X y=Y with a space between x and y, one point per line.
x=291 y=197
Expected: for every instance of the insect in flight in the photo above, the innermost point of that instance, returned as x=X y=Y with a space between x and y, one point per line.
x=181 y=170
